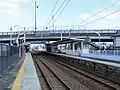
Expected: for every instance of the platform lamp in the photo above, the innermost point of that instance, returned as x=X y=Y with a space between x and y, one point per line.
x=99 y=37
x=11 y=28
x=20 y=41
x=61 y=33
x=35 y=15
x=53 y=22
x=70 y=33
x=10 y=36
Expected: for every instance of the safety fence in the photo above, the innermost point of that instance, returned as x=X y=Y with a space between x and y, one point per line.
x=8 y=55
x=105 y=52
x=98 y=52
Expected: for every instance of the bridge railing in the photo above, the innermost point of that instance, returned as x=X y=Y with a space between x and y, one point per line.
x=30 y=30
x=71 y=31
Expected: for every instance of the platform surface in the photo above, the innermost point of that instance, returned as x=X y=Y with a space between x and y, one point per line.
x=27 y=78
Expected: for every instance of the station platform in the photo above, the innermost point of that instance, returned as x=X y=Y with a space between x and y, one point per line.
x=103 y=61
x=27 y=78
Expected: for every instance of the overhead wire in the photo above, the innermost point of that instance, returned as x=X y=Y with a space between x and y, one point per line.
x=102 y=17
x=62 y=10
x=52 y=11
x=57 y=11
x=95 y=14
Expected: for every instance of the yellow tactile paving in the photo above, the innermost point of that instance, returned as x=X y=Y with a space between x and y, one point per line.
x=17 y=82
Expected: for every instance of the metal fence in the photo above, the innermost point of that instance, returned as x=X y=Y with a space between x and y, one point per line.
x=98 y=52
x=8 y=55
x=106 y=52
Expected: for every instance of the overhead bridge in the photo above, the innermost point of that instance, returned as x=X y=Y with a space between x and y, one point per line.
x=51 y=35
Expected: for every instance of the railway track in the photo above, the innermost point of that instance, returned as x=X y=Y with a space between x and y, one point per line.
x=71 y=78
x=52 y=81
x=103 y=82
x=43 y=83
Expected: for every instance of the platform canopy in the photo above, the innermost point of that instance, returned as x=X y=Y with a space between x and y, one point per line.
x=72 y=40
x=68 y=40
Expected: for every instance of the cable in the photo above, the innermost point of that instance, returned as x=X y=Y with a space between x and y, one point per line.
x=60 y=7
x=62 y=10
x=95 y=14
x=57 y=11
x=102 y=17
x=52 y=11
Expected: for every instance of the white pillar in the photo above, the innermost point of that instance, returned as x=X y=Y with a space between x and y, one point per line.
x=19 y=51
x=24 y=35
x=73 y=48
x=11 y=36
x=81 y=46
x=61 y=34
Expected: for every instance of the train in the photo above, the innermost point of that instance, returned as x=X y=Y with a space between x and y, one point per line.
x=39 y=48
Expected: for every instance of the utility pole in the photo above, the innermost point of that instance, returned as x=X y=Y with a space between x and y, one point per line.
x=53 y=22
x=85 y=27
x=35 y=17
x=70 y=33
x=11 y=28
x=10 y=36
x=99 y=38
x=24 y=35
x=61 y=33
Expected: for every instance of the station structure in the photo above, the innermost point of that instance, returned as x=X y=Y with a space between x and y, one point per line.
x=72 y=49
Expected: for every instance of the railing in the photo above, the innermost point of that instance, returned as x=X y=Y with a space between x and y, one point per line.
x=106 y=52
x=98 y=52
x=71 y=52
x=8 y=55
x=71 y=29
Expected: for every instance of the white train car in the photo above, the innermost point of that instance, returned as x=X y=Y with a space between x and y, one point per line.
x=35 y=48
x=42 y=47
x=39 y=48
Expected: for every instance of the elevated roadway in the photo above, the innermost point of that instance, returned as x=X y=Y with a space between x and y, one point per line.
x=52 y=35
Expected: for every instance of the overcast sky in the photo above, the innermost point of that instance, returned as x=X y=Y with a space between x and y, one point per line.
x=21 y=12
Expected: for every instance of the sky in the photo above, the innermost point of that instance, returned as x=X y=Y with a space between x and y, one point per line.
x=21 y=12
